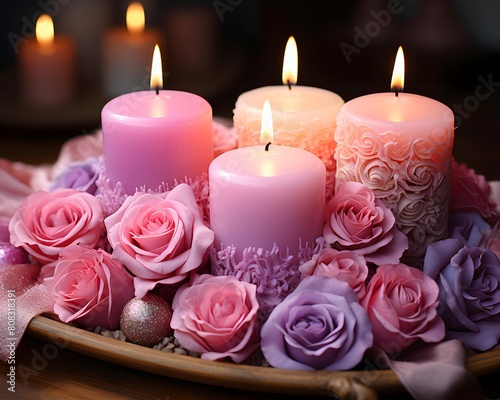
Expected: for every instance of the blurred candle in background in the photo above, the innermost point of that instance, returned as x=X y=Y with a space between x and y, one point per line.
x=85 y=22
x=127 y=54
x=47 y=66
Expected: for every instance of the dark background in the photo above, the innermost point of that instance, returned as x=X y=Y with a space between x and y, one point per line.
x=221 y=48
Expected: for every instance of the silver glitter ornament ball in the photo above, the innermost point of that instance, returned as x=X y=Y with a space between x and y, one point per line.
x=146 y=321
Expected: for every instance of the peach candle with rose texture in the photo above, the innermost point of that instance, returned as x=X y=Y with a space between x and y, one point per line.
x=400 y=146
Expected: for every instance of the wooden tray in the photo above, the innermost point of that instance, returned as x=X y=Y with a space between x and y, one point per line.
x=342 y=384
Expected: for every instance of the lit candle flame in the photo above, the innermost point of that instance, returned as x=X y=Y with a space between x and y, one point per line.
x=156 y=81
x=398 y=74
x=266 y=130
x=45 y=31
x=135 y=18
x=290 y=63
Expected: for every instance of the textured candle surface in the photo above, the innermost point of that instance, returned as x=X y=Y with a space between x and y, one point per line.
x=401 y=148
x=303 y=117
x=151 y=139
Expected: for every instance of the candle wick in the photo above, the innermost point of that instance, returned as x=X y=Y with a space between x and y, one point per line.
x=267 y=146
x=289 y=84
x=396 y=92
x=157 y=90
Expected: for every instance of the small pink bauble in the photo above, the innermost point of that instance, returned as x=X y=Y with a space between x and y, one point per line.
x=146 y=321
x=11 y=255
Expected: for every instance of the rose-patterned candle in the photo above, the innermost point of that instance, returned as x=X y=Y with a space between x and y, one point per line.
x=154 y=138
x=262 y=195
x=400 y=146
x=303 y=116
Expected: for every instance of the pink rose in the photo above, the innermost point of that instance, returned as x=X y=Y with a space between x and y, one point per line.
x=401 y=303
x=347 y=266
x=357 y=221
x=216 y=316
x=88 y=287
x=47 y=222
x=470 y=193
x=160 y=238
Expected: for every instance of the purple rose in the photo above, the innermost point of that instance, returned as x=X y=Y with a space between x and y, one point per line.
x=469 y=295
x=469 y=227
x=80 y=175
x=321 y=325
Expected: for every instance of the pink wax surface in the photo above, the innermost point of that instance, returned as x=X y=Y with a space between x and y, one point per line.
x=411 y=114
x=150 y=139
x=259 y=198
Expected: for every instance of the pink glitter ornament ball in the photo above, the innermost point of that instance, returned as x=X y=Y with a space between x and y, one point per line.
x=146 y=321
x=9 y=254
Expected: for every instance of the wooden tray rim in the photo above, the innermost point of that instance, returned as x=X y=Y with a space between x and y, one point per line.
x=225 y=374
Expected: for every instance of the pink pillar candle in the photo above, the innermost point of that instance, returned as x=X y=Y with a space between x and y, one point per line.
x=259 y=198
x=401 y=148
x=150 y=138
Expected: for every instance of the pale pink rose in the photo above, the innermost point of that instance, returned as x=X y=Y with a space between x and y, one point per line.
x=357 y=221
x=216 y=316
x=160 y=238
x=88 y=287
x=470 y=193
x=347 y=266
x=401 y=303
x=47 y=222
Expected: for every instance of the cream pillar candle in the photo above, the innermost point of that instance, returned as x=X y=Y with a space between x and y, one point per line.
x=303 y=117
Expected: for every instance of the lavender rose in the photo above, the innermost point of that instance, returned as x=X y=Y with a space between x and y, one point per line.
x=469 y=291
x=81 y=175
x=321 y=325
x=357 y=221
